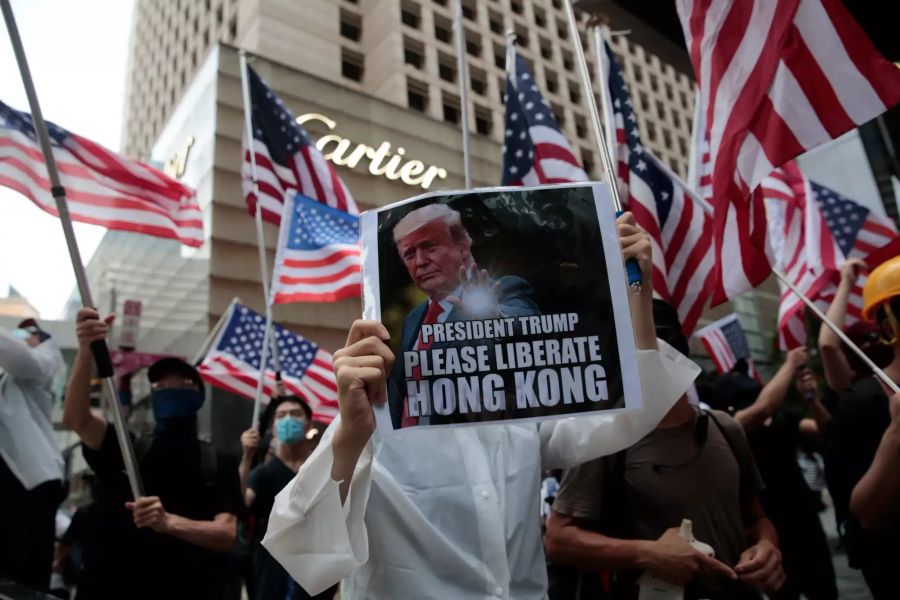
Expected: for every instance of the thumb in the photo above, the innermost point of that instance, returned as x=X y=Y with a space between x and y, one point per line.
x=129 y=505
x=108 y=320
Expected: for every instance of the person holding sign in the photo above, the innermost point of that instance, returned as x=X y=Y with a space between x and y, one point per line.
x=448 y=512
x=437 y=252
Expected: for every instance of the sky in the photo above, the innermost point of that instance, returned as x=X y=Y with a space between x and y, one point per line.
x=78 y=53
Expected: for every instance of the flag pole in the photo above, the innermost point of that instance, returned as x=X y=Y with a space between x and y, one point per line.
x=635 y=281
x=98 y=348
x=204 y=347
x=462 y=77
x=261 y=246
x=838 y=332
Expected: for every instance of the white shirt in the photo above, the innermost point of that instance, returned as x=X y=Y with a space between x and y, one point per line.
x=27 y=444
x=450 y=514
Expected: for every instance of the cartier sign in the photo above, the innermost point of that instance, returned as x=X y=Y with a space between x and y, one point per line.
x=383 y=160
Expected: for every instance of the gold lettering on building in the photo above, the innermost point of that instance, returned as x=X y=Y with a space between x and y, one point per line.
x=383 y=161
x=174 y=167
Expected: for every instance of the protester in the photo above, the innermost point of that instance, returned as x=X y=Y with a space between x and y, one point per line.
x=291 y=427
x=31 y=467
x=622 y=513
x=448 y=513
x=775 y=433
x=186 y=521
x=102 y=534
x=861 y=421
x=841 y=365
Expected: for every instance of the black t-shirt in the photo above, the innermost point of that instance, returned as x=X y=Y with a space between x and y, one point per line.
x=167 y=567
x=104 y=537
x=786 y=495
x=858 y=423
x=272 y=581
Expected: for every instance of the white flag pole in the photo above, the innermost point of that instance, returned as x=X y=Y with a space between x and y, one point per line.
x=462 y=77
x=838 y=332
x=204 y=347
x=261 y=247
x=633 y=270
x=99 y=348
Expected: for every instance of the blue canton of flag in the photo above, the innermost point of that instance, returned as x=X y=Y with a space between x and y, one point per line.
x=318 y=256
x=843 y=216
x=234 y=357
x=287 y=158
x=535 y=150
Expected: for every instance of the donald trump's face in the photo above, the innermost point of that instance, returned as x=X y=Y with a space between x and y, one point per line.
x=433 y=258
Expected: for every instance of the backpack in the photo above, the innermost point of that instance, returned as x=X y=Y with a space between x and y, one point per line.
x=571 y=583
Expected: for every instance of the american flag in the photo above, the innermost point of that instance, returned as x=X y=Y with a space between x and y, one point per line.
x=233 y=358
x=318 y=257
x=725 y=343
x=534 y=149
x=679 y=222
x=102 y=188
x=286 y=159
x=777 y=78
x=813 y=230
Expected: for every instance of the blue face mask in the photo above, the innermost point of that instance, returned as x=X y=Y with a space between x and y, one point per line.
x=20 y=334
x=176 y=402
x=290 y=430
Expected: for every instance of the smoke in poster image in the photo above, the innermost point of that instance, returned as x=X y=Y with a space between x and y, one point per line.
x=502 y=304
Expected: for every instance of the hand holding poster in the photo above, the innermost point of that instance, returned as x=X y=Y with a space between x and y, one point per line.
x=502 y=304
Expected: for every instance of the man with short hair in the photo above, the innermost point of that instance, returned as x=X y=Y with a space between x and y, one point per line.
x=187 y=521
x=292 y=437
x=622 y=513
x=436 y=250
x=31 y=467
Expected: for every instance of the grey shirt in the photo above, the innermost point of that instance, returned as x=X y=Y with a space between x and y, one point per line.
x=666 y=478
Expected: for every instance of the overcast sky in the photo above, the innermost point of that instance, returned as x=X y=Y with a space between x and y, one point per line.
x=78 y=52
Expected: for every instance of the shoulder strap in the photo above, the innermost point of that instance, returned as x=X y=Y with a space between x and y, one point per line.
x=732 y=444
x=614 y=505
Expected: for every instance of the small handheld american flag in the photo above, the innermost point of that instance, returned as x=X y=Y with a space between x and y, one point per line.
x=286 y=158
x=534 y=148
x=232 y=359
x=725 y=342
x=318 y=257
x=102 y=187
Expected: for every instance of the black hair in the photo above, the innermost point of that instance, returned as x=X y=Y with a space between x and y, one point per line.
x=279 y=400
x=668 y=327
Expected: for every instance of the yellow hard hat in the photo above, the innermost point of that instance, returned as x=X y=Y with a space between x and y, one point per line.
x=882 y=285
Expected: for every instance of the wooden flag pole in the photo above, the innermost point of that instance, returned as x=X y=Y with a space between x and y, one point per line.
x=838 y=332
x=99 y=348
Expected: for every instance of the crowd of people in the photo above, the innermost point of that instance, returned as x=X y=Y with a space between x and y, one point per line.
x=456 y=512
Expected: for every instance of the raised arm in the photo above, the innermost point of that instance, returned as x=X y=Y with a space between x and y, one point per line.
x=249 y=446
x=77 y=414
x=838 y=374
x=876 y=497
x=772 y=395
x=636 y=244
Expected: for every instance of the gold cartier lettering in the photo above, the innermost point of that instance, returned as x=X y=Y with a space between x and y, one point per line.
x=175 y=166
x=382 y=162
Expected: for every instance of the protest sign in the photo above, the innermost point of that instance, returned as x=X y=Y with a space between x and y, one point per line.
x=503 y=304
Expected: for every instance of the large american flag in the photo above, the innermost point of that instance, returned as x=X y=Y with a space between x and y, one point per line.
x=678 y=221
x=318 y=256
x=534 y=148
x=233 y=359
x=777 y=78
x=286 y=158
x=813 y=230
x=102 y=187
x=725 y=343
